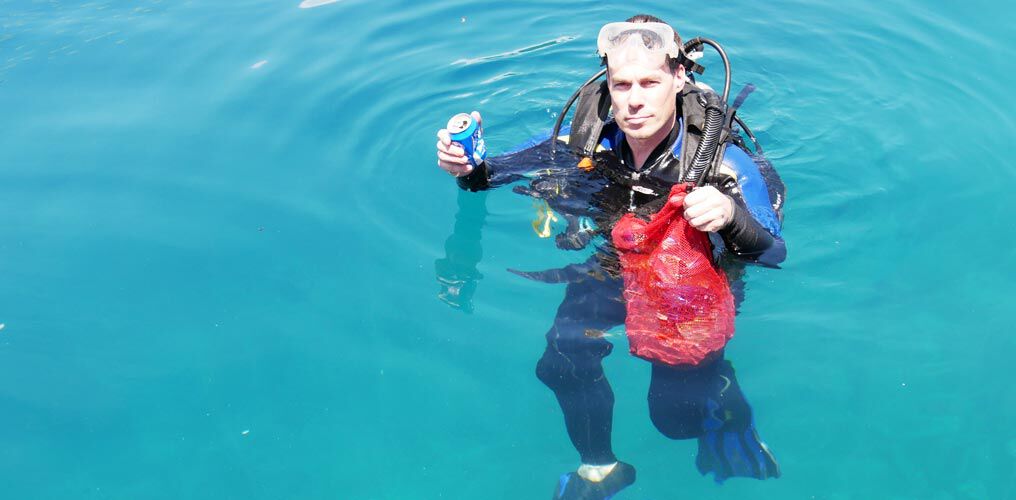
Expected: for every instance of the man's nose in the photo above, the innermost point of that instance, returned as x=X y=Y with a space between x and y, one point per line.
x=636 y=98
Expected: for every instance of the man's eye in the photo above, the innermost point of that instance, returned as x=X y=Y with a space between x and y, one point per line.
x=650 y=83
x=622 y=86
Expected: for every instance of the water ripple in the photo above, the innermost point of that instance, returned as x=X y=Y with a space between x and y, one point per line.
x=201 y=160
x=515 y=52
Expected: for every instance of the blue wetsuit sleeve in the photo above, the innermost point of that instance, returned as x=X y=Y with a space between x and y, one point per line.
x=754 y=233
x=522 y=160
x=507 y=168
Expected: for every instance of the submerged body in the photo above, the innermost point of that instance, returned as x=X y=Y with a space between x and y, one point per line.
x=685 y=402
x=642 y=153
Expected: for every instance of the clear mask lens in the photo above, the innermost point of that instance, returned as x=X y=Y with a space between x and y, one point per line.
x=653 y=39
x=649 y=40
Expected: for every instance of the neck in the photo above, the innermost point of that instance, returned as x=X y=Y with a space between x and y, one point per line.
x=642 y=148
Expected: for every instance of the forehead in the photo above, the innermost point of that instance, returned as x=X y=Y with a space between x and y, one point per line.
x=635 y=66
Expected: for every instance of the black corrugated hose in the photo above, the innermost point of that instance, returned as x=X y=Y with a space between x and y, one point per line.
x=710 y=138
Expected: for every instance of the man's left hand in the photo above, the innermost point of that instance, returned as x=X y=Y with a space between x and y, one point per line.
x=707 y=209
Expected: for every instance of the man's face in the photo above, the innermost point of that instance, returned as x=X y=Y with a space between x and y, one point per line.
x=643 y=93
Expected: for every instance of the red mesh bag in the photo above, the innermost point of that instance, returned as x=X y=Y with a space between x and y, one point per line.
x=680 y=308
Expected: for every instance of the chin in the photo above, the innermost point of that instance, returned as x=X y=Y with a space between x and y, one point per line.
x=642 y=132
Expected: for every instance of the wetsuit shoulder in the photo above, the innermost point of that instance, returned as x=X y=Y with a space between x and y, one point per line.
x=755 y=232
x=753 y=188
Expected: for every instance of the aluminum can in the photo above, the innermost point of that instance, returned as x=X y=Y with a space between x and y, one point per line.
x=467 y=133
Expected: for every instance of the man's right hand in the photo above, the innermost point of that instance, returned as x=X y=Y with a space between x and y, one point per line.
x=450 y=157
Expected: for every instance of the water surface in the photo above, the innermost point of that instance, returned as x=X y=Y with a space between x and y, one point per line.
x=221 y=221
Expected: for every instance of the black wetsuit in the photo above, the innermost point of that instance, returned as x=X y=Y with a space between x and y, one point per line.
x=682 y=400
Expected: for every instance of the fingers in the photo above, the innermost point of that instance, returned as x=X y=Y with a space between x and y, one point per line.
x=451 y=149
x=707 y=209
x=701 y=194
x=453 y=167
x=452 y=159
x=695 y=207
x=450 y=156
x=456 y=170
x=712 y=220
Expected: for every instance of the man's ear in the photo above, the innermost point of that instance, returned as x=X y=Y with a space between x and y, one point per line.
x=680 y=78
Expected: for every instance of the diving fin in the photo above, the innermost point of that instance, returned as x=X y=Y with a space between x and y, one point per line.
x=571 y=486
x=730 y=450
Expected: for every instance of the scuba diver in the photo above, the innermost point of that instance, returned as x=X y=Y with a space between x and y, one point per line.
x=646 y=128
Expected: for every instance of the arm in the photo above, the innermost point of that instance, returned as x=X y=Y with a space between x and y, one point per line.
x=746 y=238
x=457 y=271
x=740 y=211
x=495 y=171
x=754 y=231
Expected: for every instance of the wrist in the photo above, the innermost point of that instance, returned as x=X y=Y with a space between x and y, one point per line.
x=475 y=179
x=729 y=212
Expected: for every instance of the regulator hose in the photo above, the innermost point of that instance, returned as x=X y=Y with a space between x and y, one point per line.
x=564 y=111
x=706 y=150
x=715 y=113
x=699 y=41
x=688 y=47
x=744 y=127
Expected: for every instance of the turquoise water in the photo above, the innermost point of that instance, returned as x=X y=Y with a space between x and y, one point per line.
x=220 y=222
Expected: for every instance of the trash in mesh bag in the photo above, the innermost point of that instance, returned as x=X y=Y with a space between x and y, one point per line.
x=680 y=308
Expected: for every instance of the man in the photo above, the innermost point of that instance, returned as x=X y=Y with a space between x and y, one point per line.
x=739 y=206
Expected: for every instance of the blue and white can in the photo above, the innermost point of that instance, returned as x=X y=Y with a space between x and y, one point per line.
x=465 y=131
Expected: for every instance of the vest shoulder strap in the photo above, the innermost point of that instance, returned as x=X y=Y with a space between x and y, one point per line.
x=592 y=113
x=590 y=118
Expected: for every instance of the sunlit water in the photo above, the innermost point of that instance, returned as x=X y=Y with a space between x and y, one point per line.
x=219 y=223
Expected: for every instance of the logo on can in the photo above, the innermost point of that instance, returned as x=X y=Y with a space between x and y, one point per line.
x=468 y=134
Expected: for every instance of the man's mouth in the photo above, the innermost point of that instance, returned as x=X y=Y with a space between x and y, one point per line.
x=638 y=120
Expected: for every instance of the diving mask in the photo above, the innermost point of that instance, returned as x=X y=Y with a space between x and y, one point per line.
x=649 y=39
